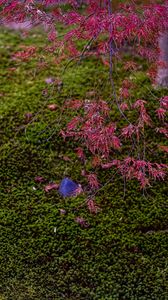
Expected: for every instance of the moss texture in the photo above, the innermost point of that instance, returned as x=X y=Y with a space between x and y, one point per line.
x=44 y=255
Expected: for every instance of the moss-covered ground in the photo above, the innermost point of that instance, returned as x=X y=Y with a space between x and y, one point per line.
x=123 y=254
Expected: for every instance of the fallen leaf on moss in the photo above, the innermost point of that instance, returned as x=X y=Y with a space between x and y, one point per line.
x=66 y=158
x=51 y=186
x=82 y=222
x=39 y=179
x=92 y=206
x=163 y=148
x=28 y=116
x=52 y=106
x=49 y=80
x=62 y=211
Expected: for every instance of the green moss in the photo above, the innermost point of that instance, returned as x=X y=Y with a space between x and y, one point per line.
x=46 y=255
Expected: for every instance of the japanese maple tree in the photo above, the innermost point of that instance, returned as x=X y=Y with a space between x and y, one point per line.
x=105 y=32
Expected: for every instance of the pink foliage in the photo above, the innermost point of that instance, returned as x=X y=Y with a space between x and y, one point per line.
x=141 y=170
x=161 y=113
x=164 y=102
x=82 y=222
x=74 y=104
x=124 y=106
x=52 y=106
x=97 y=135
x=80 y=152
x=127 y=22
x=93 y=181
x=128 y=131
x=51 y=186
x=94 y=125
x=92 y=206
x=39 y=179
x=25 y=54
x=163 y=130
x=124 y=93
x=164 y=148
x=130 y=66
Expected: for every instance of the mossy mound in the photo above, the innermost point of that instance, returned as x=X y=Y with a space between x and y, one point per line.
x=47 y=255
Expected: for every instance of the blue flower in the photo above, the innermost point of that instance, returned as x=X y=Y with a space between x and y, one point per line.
x=68 y=187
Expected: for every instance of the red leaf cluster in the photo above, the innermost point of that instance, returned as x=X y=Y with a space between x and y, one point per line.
x=93 y=181
x=51 y=186
x=104 y=32
x=141 y=170
x=92 y=206
x=26 y=53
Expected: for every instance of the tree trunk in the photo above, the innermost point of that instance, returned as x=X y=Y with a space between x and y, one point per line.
x=162 y=74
